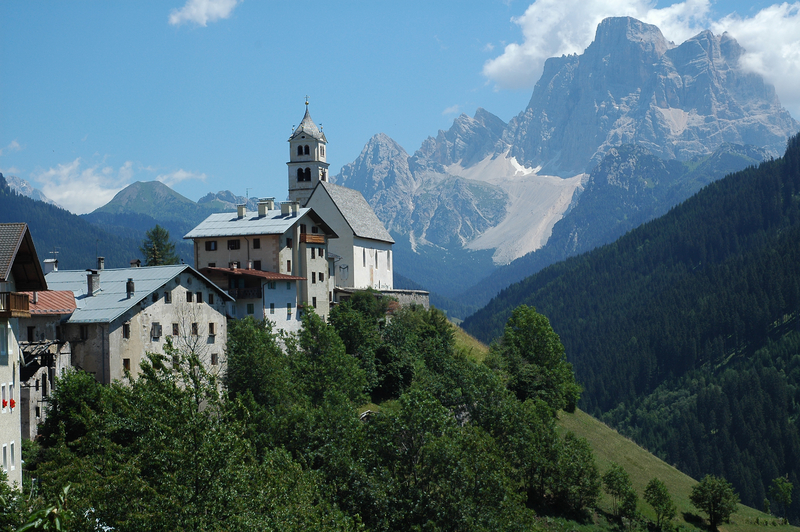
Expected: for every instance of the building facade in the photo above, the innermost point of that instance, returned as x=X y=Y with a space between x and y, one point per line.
x=124 y=313
x=274 y=261
x=19 y=271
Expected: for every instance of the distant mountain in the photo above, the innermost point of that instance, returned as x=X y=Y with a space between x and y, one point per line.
x=76 y=241
x=225 y=200
x=684 y=332
x=22 y=187
x=478 y=196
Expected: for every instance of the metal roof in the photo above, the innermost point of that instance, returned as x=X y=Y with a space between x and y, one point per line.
x=18 y=257
x=273 y=223
x=111 y=301
x=52 y=302
x=356 y=211
x=309 y=128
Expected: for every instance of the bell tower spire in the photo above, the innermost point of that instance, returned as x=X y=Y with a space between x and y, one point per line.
x=307 y=159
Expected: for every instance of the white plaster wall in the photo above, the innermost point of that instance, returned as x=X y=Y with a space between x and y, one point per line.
x=10 y=426
x=222 y=257
x=373 y=268
x=285 y=292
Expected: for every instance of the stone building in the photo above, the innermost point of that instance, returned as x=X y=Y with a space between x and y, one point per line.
x=273 y=261
x=124 y=313
x=19 y=271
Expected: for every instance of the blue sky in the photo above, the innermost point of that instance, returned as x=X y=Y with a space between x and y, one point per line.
x=202 y=94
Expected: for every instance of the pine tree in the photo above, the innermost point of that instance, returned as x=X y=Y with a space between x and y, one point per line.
x=157 y=248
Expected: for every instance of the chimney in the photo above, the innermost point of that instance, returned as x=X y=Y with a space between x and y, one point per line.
x=295 y=206
x=265 y=205
x=101 y=263
x=285 y=208
x=92 y=282
x=241 y=210
x=50 y=265
x=35 y=298
x=135 y=263
x=249 y=264
x=233 y=265
x=129 y=287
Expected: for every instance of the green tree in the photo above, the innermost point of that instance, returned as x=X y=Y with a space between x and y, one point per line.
x=617 y=483
x=715 y=496
x=657 y=496
x=532 y=355
x=576 y=486
x=157 y=248
x=781 y=492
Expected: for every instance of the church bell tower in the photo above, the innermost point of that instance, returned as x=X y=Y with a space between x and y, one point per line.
x=307 y=159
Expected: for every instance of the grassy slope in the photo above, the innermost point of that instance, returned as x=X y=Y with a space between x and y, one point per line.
x=610 y=447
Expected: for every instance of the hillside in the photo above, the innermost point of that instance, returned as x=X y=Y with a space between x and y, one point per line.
x=671 y=328
x=77 y=241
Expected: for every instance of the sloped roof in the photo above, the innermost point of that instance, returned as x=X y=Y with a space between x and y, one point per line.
x=309 y=128
x=111 y=300
x=274 y=223
x=356 y=211
x=270 y=276
x=52 y=302
x=18 y=257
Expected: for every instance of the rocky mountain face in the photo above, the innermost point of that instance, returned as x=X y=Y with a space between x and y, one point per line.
x=485 y=193
x=225 y=200
x=631 y=86
x=22 y=187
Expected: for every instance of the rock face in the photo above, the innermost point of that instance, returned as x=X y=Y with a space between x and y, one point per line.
x=225 y=200
x=485 y=193
x=22 y=187
x=631 y=86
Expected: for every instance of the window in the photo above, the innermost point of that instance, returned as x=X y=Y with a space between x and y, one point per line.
x=210 y=298
x=251 y=308
x=364 y=257
x=313 y=277
x=271 y=285
x=13 y=459
x=288 y=242
x=175 y=329
x=257 y=265
x=288 y=266
x=322 y=150
x=321 y=254
x=389 y=260
x=211 y=245
x=156 y=330
x=84 y=332
x=199 y=297
x=299 y=150
x=307 y=174
x=272 y=308
x=126 y=330
x=194 y=329
x=188 y=297
x=5 y=458
x=212 y=329
x=321 y=277
x=5 y=401
x=288 y=310
x=126 y=364
x=155 y=297
x=234 y=244
x=167 y=297
x=305 y=149
x=299 y=171
x=212 y=264
x=302 y=229
x=3 y=339
x=288 y=285
x=214 y=359
x=314 y=229
x=376 y=259
x=314 y=302
x=313 y=253
x=256 y=243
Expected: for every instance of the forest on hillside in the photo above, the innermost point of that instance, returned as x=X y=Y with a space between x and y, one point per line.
x=684 y=332
x=277 y=443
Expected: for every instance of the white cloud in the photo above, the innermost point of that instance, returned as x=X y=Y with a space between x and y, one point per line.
x=81 y=190
x=555 y=27
x=488 y=47
x=452 y=110
x=173 y=178
x=201 y=12
x=14 y=146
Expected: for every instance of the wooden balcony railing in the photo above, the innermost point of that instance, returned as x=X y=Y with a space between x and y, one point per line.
x=14 y=305
x=310 y=238
x=245 y=293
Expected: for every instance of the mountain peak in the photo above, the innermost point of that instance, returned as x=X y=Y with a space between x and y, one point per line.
x=616 y=32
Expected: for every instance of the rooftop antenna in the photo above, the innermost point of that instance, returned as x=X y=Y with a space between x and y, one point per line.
x=247 y=193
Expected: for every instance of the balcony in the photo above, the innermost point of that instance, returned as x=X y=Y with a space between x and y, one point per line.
x=245 y=293
x=312 y=239
x=14 y=305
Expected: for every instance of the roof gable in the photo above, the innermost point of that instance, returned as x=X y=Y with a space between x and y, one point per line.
x=18 y=257
x=355 y=210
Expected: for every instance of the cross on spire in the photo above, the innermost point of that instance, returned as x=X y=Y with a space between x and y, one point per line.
x=306 y=100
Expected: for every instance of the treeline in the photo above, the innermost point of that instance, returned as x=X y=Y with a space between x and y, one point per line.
x=55 y=229
x=278 y=443
x=696 y=292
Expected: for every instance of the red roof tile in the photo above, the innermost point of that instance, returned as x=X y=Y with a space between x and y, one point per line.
x=52 y=302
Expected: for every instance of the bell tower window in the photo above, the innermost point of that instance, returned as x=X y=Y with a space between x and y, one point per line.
x=305 y=150
x=307 y=174
x=299 y=150
x=299 y=174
